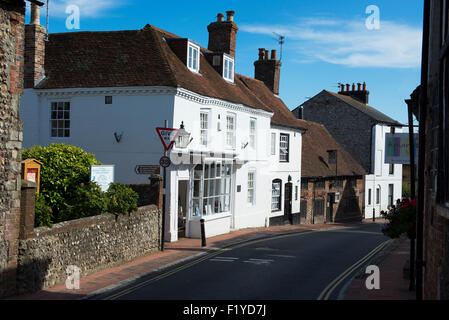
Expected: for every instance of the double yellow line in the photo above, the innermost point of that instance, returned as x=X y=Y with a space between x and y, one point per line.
x=325 y=294
x=206 y=257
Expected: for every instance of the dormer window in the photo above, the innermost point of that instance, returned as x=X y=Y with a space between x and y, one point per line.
x=193 y=57
x=228 y=68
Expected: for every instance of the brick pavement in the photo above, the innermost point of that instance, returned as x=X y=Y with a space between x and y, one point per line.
x=393 y=285
x=176 y=252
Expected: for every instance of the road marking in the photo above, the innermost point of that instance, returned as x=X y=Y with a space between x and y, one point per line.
x=282 y=256
x=259 y=261
x=224 y=259
x=199 y=260
x=325 y=294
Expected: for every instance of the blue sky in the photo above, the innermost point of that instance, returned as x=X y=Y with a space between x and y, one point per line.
x=327 y=41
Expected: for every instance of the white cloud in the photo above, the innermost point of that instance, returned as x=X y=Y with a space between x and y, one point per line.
x=349 y=43
x=88 y=8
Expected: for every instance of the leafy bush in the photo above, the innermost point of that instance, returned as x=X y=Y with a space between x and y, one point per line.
x=88 y=200
x=42 y=213
x=401 y=220
x=122 y=199
x=64 y=169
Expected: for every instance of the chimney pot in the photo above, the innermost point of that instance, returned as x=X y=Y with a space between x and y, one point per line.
x=261 y=53
x=230 y=15
x=359 y=95
x=267 y=71
x=35 y=14
x=223 y=35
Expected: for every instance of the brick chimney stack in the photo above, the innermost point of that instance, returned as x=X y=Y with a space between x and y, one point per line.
x=223 y=34
x=361 y=94
x=268 y=69
x=34 y=49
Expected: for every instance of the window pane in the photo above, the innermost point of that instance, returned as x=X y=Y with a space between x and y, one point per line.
x=231 y=66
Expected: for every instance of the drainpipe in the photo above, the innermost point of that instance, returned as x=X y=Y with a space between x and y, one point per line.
x=422 y=154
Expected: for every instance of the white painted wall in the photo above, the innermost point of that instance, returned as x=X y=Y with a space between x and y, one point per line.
x=136 y=112
x=381 y=177
x=93 y=124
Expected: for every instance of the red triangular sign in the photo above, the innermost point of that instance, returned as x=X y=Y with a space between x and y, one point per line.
x=167 y=136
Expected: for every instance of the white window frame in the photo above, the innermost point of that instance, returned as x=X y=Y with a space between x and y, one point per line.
x=284 y=152
x=204 y=131
x=212 y=188
x=228 y=72
x=193 y=61
x=273 y=143
x=61 y=123
x=230 y=134
x=276 y=206
x=251 y=184
x=252 y=133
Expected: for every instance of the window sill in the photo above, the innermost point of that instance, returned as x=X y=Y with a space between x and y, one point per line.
x=443 y=210
x=212 y=217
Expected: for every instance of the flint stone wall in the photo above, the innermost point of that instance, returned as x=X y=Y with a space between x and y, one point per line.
x=91 y=244
x=11 y=84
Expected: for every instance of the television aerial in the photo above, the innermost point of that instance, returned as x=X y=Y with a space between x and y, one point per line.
x=281 y=40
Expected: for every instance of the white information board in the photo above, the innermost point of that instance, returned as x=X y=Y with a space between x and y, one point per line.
x=102 y=175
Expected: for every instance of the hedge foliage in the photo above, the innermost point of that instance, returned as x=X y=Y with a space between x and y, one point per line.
x=66 y=192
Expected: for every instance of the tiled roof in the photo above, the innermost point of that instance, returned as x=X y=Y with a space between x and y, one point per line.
x=143 y=58
x=371 y=112
x=316 y=142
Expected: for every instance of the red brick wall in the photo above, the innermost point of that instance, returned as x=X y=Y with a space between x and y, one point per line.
x=34 y=54
x=339 y=214
x=222 y=37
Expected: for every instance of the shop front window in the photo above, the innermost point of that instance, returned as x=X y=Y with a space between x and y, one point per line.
x=211 y=189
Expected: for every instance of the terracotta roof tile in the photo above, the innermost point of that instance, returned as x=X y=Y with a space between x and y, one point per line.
x=143 y=58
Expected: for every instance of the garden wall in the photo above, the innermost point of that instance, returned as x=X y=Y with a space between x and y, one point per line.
x=91 y=244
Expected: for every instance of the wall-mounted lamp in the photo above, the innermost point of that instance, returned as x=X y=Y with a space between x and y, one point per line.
x=244 y=145
x=118 y=137
x=183 y=139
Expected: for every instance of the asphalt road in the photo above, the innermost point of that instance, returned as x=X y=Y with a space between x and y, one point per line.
x=300 y=266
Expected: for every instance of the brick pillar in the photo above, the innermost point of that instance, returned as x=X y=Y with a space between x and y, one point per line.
x=27 y=206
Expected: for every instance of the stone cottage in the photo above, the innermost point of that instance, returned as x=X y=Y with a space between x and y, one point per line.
x=332 y=180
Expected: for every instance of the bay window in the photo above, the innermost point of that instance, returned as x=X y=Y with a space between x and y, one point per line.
x=211 y=189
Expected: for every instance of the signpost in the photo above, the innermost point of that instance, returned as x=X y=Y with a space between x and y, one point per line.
x=168 y=137
x=147 y=169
